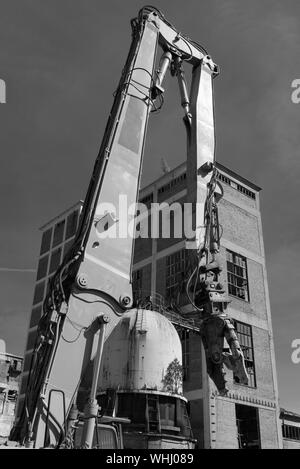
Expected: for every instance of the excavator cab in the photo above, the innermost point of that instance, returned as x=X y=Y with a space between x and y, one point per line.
x=108 y=433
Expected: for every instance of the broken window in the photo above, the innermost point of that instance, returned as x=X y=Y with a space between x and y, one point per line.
x=247 y=421
x=244 y=335
x=237 y=276
x=175 y=274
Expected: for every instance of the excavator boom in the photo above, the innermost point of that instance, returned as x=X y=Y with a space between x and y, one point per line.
x=92 y=286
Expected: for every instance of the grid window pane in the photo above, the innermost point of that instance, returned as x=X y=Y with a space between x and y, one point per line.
x=137 y=280
x=46 y=241
x=55 y=260
x=237 y=276
x=67 y=246
x=72 y=221
x=35 y=316
x=175 y=272
x=42 y=268
x=39 y=293
x=185 y=344
x=31 y=340
x=291 y=432
x=244 y=335
x=27 y=362
x=58 y=233
x=24 y=384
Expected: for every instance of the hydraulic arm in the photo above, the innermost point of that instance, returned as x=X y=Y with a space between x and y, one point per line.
x=94 y=279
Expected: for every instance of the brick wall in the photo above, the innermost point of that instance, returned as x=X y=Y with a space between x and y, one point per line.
x=268 y=435
x=235 y=197
x=239 y=226
x=226 y=429
x=290 y=444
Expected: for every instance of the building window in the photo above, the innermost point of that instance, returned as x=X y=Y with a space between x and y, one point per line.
x=137 y=280
x=55 y=260
x=12 y=395
x=46 y=241
x=184 y=335
x=35 y=316
x=236 y=186
x=291 y=432
x=24 y=384
x=147 y=200
x=224 y=178
x=67 y=246
x=31 y=340
x=27 y=362
x=39 y=293
x=244 y=335
x=72 y=221
x=247 y=421
x=245 y=191
x=42 y=268
x=58 y=233
x=175 y=273
x=237 y=275
x=49 y=284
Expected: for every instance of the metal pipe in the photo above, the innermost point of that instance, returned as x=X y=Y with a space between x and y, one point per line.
x=91 y=409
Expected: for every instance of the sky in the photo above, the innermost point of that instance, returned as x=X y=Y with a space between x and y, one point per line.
x=61 y=61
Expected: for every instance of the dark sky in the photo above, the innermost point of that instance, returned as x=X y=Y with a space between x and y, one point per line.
x=62 y=60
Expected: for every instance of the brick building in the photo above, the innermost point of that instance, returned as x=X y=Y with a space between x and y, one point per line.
x=249 y=415
x=10 y=377
x=290 y=424
x=57 y=237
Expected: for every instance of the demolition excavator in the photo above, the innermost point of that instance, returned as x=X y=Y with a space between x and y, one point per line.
x=92 y=289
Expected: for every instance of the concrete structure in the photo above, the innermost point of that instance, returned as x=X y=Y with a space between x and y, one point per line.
x=290 y=424
x=141 y=379
x=249 y=415
x=57 y=237
x=10 y=374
